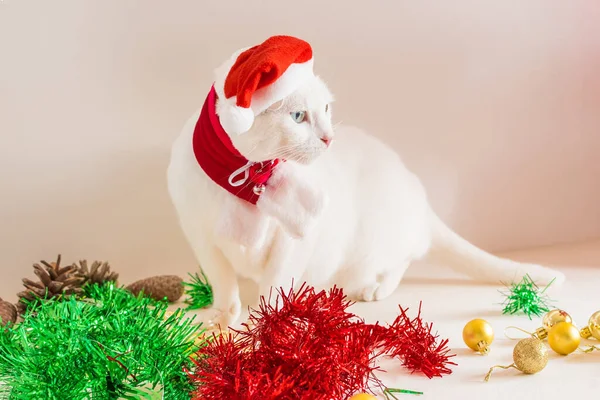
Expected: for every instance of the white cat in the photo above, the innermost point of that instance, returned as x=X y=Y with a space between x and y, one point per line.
x=349 y=214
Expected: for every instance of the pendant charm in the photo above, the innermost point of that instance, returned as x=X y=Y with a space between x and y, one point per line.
x=259 y=189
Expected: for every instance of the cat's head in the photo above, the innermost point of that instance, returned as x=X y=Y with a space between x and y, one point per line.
x=271 y=104
x=297 y=128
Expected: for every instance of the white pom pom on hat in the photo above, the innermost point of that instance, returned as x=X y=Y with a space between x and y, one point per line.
x=236 y=120
x=255 y=78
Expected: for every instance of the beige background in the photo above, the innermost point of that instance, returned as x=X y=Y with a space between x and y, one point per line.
x=494 y=104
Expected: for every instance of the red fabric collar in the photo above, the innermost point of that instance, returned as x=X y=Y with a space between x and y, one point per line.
x=221 y=161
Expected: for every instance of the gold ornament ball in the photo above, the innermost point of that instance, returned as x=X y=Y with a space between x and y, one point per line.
x=363 y=396
x=594 y=325
x=553 y=317
x=530 y=355
x=478 y=335
x=564 y=338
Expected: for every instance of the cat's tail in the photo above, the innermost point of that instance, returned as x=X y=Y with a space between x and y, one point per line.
x=449 y=249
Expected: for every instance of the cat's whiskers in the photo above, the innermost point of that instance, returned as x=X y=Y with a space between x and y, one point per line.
x=288 y=151
x=256 y=146
x=252 y=150
x=295 y=145
x=286 y=154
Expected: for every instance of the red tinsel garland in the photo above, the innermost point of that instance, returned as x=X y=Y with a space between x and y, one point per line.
x=311 y=347
x=412 y=342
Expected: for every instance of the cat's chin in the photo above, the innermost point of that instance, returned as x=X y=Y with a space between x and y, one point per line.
x=306 y=159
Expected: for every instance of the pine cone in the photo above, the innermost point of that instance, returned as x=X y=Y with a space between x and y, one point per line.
x=159 y=287
x=8 y=312
x=54 y=281
x=98 y=273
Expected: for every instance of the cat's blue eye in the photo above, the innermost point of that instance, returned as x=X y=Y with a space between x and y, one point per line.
x=298 y=116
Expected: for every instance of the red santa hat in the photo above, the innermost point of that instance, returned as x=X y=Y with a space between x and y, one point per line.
x=255 y=78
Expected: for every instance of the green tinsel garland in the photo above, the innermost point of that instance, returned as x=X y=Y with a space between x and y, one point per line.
x=526 y=297
x=112 y=345
x=199 y=292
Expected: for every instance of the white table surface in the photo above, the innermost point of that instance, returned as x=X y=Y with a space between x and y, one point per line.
x=450 y=301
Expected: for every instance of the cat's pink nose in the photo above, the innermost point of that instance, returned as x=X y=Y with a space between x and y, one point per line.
x=326 y=140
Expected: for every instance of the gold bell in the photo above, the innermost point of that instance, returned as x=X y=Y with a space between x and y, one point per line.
x=593 y=327
x=551 y=318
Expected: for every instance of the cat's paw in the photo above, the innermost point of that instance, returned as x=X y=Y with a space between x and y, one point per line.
x=216 y=318
x=293 y=199
x=376 y=291
x=298 y=226
x=312 y=199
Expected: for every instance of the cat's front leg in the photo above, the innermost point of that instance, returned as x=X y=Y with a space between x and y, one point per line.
x=282 y=271
x=227 y=307
x=292 y=199
x=242 y=223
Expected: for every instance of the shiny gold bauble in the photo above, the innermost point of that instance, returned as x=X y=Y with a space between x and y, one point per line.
x=530 y=355
x=553 y=317
x=593 y=327
x=478 y=335
x=363 y=396
x=564 y=338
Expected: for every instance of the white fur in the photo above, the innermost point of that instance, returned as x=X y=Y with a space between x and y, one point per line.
x=350 y=215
